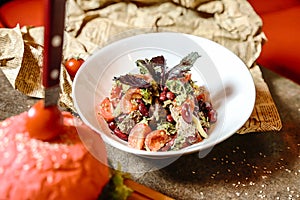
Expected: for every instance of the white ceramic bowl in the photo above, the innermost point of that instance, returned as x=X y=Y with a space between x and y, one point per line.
x=227 y=78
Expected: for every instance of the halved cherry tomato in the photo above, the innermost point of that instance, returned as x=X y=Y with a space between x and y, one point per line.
x=72 y=65
x=126 y=104
x=44 y=123
x=156 y=140
x=106 y=110
x=137 y=135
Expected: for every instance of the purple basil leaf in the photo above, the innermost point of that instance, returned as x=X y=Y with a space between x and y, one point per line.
x=155 y=67
x=133 y=81
x=184 y=66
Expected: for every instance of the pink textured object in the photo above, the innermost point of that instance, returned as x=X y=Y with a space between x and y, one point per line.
x=60 y=169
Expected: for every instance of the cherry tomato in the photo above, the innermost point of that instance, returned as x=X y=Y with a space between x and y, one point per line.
x=137 y=136
x=156 y=140
x=44 y=123
x=106 y=110
x=126 y=103
x=72 y=65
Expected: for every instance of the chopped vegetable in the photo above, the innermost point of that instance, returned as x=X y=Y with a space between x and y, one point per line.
x=106 y=110
x=115 y=188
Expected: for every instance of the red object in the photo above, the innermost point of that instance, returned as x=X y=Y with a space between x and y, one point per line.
x=267 y=6
x=106 y=110
x=22 y=12
x=281 y=26
x=44 y=123
x=68 y=167
x=1 y=24
x=137 y=136
x=72 y=65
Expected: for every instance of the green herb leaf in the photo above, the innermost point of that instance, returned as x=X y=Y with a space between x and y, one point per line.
x=168 y=127
x=146 y=95
x=115 y=188
x=182 y=90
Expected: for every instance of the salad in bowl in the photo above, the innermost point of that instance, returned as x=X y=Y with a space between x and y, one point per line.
x=159 y=108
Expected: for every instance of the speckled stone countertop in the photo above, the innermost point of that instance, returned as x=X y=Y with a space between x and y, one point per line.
x=252 y=166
